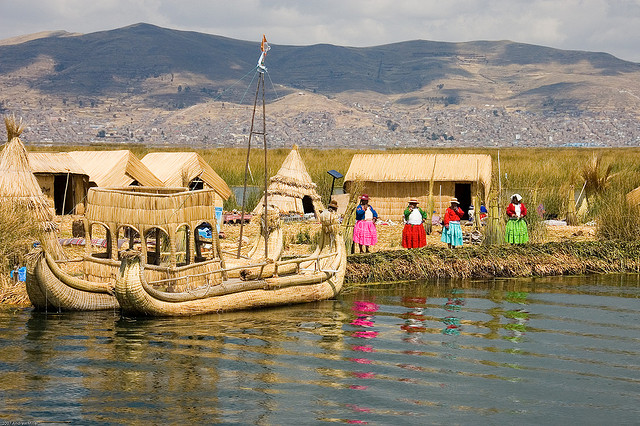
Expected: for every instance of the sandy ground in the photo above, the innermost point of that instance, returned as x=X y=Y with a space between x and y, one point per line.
x=389 y=235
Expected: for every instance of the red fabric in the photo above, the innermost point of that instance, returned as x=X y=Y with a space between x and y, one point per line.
x=452 y=215
x=414 y=236
x=511 y=210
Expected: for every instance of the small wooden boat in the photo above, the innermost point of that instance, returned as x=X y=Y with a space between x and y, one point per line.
x=163 y=223
x=316 y=277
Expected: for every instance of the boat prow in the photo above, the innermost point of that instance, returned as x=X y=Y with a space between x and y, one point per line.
x=50 y=287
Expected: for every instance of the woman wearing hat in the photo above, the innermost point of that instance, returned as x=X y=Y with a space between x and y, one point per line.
x=516 y=231
x=451 y=230
x=413 y=233
x=365 y=232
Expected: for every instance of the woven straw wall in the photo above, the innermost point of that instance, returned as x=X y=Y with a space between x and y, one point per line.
x=389 y=199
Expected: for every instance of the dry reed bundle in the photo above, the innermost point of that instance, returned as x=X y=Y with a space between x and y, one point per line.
x=13 y=293
x=19 y=186
x=596 y=177
x=349 y=218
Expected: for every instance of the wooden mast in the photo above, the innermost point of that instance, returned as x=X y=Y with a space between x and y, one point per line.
x=261 y=70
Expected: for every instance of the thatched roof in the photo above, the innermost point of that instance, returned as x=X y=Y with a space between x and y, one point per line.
x=420 y=167
x=54 y=162
x=114 y=168
x=291 y=183
x=17 y=182
x=149 y=207
x=172 y=167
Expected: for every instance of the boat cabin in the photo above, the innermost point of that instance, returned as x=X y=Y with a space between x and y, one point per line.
x=171 y=227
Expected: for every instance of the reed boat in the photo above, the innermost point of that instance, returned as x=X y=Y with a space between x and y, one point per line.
x=315 y=277
x=162 y=223
x=267 y=282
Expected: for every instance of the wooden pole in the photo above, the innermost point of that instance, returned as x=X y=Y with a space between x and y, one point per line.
x=266 y=172
x=246 y=169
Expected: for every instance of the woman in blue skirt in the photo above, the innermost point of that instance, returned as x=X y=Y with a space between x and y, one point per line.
x=451 y=230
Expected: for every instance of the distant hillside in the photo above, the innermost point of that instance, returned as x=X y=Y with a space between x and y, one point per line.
x=144 y=59
x=148 y=84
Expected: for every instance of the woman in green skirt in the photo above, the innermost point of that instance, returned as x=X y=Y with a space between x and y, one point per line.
x=516 y=232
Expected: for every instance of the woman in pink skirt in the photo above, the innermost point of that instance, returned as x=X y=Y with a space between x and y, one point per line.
x=364 y=232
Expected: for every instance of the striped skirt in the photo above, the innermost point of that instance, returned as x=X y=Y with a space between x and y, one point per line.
x=365 y=233
x=453 y=235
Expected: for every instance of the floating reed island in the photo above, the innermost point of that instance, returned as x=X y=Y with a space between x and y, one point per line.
x=530 y=260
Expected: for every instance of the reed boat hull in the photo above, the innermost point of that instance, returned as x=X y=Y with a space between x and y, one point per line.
x=135 y=298
x=49 y=287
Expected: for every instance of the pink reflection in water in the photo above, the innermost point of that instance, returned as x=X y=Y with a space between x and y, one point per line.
x=366 y=348
x=358 y=387
x=362 y=322
x=365 y=375
x=361 y=360
x=357 y=422
x=358 y=408
x=362 y=306
x=366 y=334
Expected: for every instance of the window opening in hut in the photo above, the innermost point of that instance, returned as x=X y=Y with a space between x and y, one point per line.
x=100 y=238
x=307 y=204
x=63 y=194
x=463 y=194
x=196 y=184
x=203 y=239
x=134 y=183
x=183 y=257
x=128 y=238
x=158 y=247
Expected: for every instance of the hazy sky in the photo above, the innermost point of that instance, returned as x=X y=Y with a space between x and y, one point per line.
x=611 y=26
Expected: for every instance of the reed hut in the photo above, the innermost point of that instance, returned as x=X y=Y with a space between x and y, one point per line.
x=188 y=170
x=110 y=169
x=61 y=180
x=19 y=186
x=391 y=180
x=291 y=190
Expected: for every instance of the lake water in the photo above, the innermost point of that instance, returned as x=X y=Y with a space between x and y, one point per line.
x=560 y=350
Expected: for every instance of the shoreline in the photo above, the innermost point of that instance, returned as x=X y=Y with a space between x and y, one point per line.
x=497 y=261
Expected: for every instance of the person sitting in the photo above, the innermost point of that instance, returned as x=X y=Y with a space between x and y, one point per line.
x=451 y=230
x=413 y=233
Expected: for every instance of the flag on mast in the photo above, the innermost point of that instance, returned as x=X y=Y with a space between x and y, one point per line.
x=264 y=48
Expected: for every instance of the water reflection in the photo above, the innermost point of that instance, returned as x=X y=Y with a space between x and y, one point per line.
x=453 y=305
x=552 y=350
x=517 y=317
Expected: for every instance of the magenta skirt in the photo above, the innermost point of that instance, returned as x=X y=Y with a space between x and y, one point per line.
x=365 y=233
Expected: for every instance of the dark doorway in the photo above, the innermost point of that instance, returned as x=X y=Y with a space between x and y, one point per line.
x=63 y=194
x=463 y=194
x=307 y=204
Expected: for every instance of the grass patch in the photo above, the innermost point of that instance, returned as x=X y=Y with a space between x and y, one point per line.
x=17 y=234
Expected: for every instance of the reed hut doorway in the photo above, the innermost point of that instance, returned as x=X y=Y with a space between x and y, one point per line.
x=63 y=194
x=307 y=204
x=463 y=194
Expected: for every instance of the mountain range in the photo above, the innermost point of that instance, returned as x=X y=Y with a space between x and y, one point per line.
x=160 y=71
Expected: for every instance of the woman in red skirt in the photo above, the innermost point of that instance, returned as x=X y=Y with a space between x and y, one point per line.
x=413 y=233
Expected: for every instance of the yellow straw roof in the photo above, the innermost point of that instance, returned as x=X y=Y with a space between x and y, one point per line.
x=420 y=167
x=114 y=168
x=171 y=167
x=54 y=162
